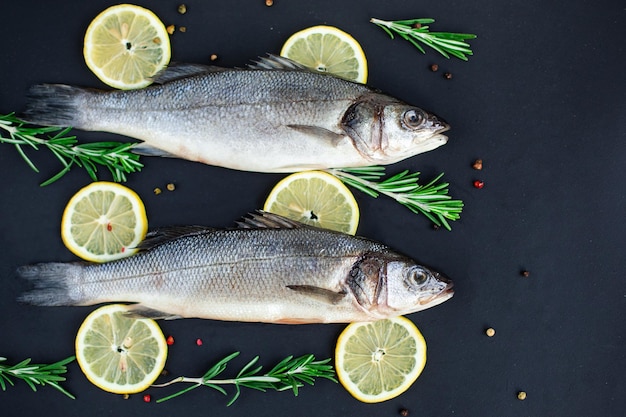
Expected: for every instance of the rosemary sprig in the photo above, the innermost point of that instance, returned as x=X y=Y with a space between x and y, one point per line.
x=416 y=30
x=289 y=374
x=35 y=374
x=115 y=156
x=432 y=199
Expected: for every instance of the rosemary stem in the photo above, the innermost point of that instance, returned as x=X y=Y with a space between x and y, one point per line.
x=399 y=198
x=381 y=22
x=202 y=381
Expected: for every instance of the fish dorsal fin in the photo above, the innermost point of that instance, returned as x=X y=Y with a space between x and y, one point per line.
x=178 y=71
x=275 y=62
x=265 y=220
x=163 y=235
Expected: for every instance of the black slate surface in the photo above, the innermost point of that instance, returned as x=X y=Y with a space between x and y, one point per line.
x=541 y=102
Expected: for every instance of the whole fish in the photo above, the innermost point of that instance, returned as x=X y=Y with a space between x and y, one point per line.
x=276 y=116
x=270 y=269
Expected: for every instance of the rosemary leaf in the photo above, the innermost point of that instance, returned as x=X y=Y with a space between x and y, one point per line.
x=116 y=157
x=416 y=31
x=35 y=374
x=431 y=200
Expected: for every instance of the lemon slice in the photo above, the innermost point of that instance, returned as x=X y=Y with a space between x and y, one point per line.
x=315 y=198
x=120 y=354
x=104 y=221
x=380 y=360
x=125 y=45
x=328 y=49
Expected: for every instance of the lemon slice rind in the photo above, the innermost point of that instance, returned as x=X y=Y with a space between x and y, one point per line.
x=365 y=351
x=125 y=45
x=315 y=198
x=328 y=49
x=130 y=353
x=104 y=221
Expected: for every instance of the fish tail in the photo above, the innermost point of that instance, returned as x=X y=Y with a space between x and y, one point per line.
x=53 y=105
x=53 y=284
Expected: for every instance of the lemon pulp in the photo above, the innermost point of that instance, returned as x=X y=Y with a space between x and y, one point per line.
x=315 y=198
x=380 y=360
x=125 y=45
x=120 y=354
x=328 y=49
x=104 y=221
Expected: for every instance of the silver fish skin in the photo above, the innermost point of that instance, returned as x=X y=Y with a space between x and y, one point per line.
x=270 y=269
x=274 y=117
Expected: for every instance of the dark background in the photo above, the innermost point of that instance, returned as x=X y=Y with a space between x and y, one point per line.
x=541 y=102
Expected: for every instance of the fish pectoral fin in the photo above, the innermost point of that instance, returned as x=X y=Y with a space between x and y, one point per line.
x=144 y=149
x=320 y=133
x=178 y=71
x=320 y=294
x=139 y=311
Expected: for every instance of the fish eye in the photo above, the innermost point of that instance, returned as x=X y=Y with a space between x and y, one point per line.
x=418 y=276
x=413 y=118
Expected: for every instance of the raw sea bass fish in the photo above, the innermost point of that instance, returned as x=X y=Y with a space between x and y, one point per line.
x=269 y=269
x=276 y=116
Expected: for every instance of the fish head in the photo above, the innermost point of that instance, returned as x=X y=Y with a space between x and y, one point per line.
x=386 y=131
x=412 y=287
x=389 y=285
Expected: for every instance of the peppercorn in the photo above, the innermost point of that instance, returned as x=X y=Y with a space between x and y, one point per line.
x=447 y=76
x=434 y=67
x=147 y=398
x=170 y=340
x=182 y=9
x=404 y=412
x=269 y=3
x=491 y=332
x=525 y=273
x=199 y=342
x=521 y=395
x=213 y=57
x=479 y=184
x=478 y=164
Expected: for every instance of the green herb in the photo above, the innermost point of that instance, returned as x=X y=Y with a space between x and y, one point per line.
x=35 y=374
x=290 y=374
x=115 y=156
x=415 y=30
x=432 y=199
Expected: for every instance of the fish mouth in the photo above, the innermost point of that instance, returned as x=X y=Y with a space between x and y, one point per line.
x=436 y=124
x=446 y=293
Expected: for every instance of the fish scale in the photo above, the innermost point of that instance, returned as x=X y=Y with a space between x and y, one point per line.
x=288 y=274
x=282 y=118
